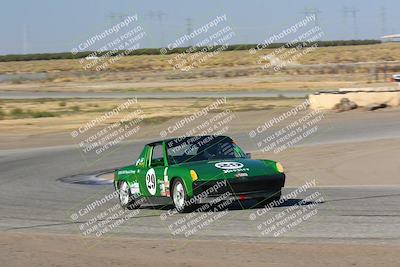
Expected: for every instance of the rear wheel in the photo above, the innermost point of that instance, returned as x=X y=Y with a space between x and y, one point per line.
x=180 y=197
x=126 y=198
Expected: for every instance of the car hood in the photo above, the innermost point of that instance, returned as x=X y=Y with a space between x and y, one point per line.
x=232 y=168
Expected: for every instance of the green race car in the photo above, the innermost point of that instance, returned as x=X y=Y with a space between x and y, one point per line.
x=191 y=170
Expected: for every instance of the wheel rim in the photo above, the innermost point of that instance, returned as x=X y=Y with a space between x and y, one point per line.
x=124 y=193
x=179 y=196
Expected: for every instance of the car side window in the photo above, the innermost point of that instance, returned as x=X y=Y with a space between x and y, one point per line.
x=157 y=158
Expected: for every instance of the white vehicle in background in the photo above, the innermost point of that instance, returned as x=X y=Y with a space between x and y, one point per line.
x=396 y=78
x=91 y=57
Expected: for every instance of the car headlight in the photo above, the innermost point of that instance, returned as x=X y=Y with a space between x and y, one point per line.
x=194 y=176
x=279 y=167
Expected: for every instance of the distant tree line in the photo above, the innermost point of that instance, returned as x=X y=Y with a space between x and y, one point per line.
x=156 y=51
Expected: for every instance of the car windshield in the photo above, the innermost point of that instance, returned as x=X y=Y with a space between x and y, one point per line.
x=199 y=148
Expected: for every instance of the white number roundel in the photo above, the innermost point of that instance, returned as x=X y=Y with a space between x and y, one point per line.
x=229 y=165
x=151 y=181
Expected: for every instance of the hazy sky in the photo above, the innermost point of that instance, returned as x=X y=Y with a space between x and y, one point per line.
x=29 y=26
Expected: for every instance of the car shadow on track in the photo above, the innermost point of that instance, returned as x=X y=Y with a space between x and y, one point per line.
x=236 y=205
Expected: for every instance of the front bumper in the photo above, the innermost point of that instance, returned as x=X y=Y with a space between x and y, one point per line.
x=245 y=187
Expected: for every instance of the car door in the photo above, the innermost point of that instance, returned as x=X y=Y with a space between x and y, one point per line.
x=142 y=167
x=155 y=174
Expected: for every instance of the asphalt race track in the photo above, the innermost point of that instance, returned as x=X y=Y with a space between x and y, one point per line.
x=33 y=199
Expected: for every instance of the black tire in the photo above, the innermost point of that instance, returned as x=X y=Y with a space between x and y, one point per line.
x=178 y=188
x=131 y=202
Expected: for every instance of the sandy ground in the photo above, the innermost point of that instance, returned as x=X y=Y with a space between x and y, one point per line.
x=18 y=249
x=55 y=131
x=223 y=84
x=70 y=114
x=226 y=59
x=324 y=68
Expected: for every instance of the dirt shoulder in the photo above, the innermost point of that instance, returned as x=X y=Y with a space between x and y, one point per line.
x=21 y=130
x=22 y=249
x=19 y=118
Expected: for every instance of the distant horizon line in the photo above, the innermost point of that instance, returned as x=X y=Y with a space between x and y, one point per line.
x=185 y=47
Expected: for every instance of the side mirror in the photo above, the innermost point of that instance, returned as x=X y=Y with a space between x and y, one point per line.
x=248 y=155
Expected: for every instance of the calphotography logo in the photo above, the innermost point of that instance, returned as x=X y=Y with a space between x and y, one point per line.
x=229 y=165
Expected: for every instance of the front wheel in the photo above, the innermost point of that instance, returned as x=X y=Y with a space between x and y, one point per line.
x=126 y=198
x=180 y=197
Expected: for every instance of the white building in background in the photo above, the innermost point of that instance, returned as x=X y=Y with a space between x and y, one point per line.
x=391 y=38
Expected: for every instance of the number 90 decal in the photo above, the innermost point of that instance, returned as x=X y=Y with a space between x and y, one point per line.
x=151 y=181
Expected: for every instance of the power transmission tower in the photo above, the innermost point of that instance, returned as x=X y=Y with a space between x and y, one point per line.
x=353 y=12
x=123 y=15
x=312 y=12
x=151 y=15
x=24 y=39
x=116 y=17
x=383 y=20
x=160 y=17
x=112 y=17
x=189 y=29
